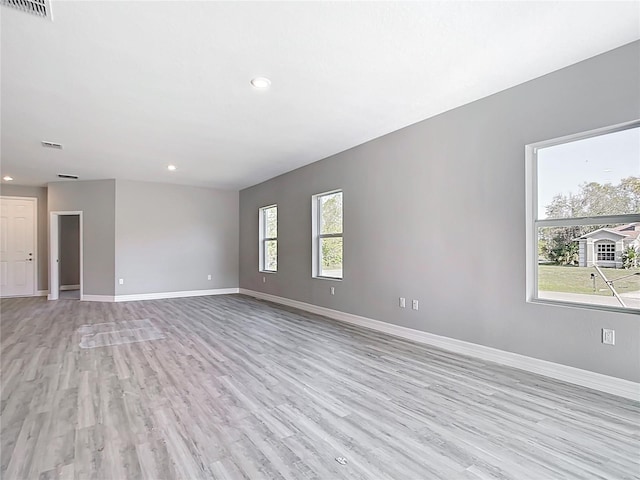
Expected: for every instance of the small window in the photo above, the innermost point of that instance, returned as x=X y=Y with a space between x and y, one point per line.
x=606 y=252
x=327 y=235
x=269 y=239
x=583 y=233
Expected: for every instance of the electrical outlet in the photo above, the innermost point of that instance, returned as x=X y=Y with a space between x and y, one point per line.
x=121 y=281
x=264 y=279
x=208 y=277
x=403 y=302
x=414 y=304
x=608 y=336
x=332 y=290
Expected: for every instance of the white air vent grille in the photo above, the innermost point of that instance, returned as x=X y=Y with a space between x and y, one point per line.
x=41 y=8
x=51 y=145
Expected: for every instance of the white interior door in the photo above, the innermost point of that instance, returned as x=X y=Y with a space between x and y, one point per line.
x=17 y=247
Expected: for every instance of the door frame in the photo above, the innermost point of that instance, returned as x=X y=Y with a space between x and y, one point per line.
x=54 y=253
x=36 y=261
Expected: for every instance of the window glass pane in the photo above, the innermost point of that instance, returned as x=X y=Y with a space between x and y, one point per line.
x=271 y=255
x=568 y=257
x=590 y=177
x=271 y=222
x=331 y=213
x=331 y=257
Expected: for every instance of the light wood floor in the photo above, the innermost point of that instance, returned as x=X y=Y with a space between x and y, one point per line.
x=240 y=388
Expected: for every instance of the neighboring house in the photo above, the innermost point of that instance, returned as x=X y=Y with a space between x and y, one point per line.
x=604 y=247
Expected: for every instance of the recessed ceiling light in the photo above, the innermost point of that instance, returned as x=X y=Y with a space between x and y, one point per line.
x=261 y=83
x=171 y=168
x=7 y=178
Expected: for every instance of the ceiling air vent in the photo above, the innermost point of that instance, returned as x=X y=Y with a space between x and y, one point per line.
x=66 y=175
x=41 y=8
x=51 y=145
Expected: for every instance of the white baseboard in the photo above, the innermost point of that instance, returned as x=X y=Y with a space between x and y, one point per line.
x=70 y=287
x=577 y=376
x=158 y=295
x=162 y=295
x=38 y=293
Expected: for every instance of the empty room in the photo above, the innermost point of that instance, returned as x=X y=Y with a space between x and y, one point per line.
x=319 y=240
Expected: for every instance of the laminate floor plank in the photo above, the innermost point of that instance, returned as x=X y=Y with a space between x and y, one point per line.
x=238 y=388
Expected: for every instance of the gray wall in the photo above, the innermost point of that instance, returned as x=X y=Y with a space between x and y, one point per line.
x=43 y=250
x=170 y=237
x=96 y=200
x=69 y=250
x=436 y=212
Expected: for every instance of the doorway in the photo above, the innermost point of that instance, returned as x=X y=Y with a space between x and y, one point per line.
x=18 y=255
x=65 y=240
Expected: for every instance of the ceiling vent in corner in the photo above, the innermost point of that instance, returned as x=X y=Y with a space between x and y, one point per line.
x=67 y=175
x=41 y=8
x=51 y=145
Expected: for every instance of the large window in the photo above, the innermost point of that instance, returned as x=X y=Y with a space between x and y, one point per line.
x=584 y=219
x=327 y=235
x=269 y=239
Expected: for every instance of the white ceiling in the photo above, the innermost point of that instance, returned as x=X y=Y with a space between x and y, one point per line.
x=130 y=87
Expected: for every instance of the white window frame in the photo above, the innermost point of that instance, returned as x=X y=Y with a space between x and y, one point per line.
x=262 y=225
x=317 y=236
x=533 y=223
x=605 y=247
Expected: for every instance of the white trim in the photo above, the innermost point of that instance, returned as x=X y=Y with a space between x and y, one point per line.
x=577 y=376
x=36 y=271
x=533 y=222
x=578 y=221
x=54 y=219
x=69 y=287
x=588 y=134
x=81 y=262
x=159 y=295
x=531 y=233
x=262 y=238
x=316 y=236
x=39 y=293
x=182 y=294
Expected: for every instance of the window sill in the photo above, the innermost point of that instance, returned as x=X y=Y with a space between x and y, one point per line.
x=581 y=305
x=335 y=279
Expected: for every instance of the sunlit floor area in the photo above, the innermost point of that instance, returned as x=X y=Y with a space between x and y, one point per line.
x=231 y=387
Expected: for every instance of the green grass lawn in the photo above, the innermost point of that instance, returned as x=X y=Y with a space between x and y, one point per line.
x=555 y=278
